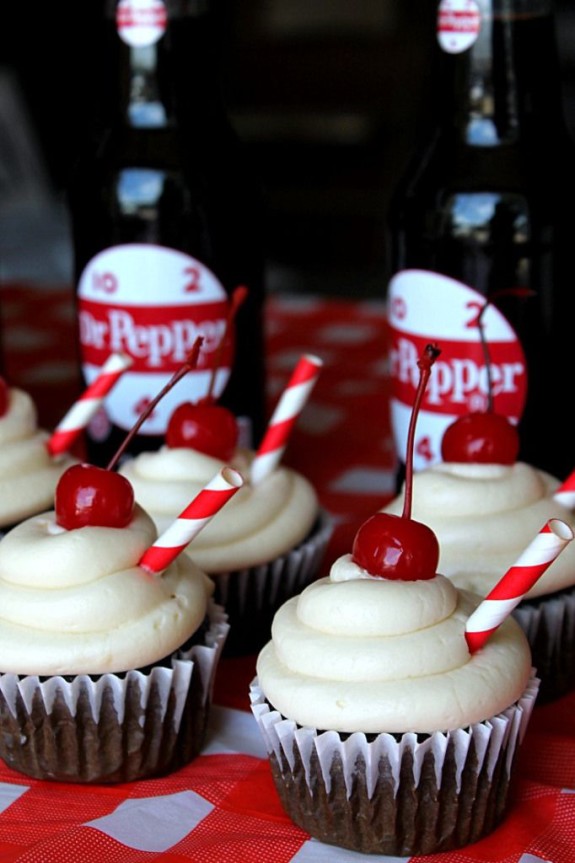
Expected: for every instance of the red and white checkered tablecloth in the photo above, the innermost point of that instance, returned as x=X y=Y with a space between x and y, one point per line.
x=223 y=808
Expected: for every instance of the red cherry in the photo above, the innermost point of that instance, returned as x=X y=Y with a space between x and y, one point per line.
x=483 y=438
x=89 y=495
x=208 y=428
x=3 y=397
x=390 y=546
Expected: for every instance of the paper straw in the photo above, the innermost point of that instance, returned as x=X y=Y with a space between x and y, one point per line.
x=553 y=537
x=190 y=522
x=565 y=494
x=82 y=411
x=284 y=417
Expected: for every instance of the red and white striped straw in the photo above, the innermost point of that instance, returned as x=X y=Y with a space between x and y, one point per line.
x=283 y=419
x=206 y=504
x=565 y=494
x=82 y=411
x=553 y=537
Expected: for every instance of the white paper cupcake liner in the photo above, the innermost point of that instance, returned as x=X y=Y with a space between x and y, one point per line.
x=549 y=624
x=252 y=596
x=391 y=794
x=115 y=727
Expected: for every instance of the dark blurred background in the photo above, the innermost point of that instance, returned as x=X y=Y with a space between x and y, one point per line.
x=329 y=95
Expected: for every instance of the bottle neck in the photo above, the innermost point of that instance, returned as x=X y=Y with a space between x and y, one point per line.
x=162 y=76
x=145 y=105
x=506 y=85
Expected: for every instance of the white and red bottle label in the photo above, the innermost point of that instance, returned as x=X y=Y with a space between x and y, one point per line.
x=141 y=22
x=425 y=307
x=151 y=303
x=458 y=25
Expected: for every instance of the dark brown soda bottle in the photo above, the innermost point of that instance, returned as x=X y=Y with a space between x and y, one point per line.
x=485 y=212
x=166 y=220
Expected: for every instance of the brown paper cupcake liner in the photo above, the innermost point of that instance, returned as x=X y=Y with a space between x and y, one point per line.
x=113 y=727
x=549 y=624
x=252 y=596
x=397 y=795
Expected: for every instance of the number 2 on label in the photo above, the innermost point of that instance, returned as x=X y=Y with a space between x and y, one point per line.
x=192 y=279
x=476 y=308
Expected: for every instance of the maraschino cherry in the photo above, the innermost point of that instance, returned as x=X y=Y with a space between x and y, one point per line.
x=90 y=495
x=3 y=397
x=100 y=497
x=483 y=437
x=207 y=426
x=393 y=546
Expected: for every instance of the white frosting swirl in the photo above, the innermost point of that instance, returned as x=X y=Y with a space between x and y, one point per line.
x=28 y=474
x=376 y=655
x=257 y=525
x=485 y=516
x=76 y=602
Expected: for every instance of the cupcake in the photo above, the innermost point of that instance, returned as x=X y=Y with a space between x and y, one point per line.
x=106 y=669
x=386 y=732
x=274 y=536
x=394 y=739
x=28 y=473
x=484 y=511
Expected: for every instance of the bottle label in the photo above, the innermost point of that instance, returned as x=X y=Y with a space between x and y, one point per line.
x=151 y=303
x=141 y=22
x=425 y=307
x=458 y=25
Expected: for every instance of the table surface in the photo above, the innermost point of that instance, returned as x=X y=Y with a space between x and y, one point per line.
x=222 y=807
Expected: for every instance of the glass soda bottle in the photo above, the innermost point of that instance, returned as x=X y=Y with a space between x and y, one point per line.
x=485 y=214
x=166 y=223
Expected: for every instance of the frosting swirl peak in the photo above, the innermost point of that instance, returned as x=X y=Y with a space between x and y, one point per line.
x=369 y=654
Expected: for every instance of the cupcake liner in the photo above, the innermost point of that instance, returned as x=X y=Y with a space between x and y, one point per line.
x=251 y=596
x=549 y=624
x=115 y=727
x=389 y=794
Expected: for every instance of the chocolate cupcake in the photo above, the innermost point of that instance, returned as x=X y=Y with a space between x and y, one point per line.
x=394 y=739
x=391 y=724
x=107 y=670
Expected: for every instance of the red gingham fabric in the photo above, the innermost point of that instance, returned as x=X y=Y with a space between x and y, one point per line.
x=223 y=807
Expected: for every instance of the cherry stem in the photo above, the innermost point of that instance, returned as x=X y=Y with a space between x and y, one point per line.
x=486 y=357
x=189 y=363
x=425 y=362
x=236 y=299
